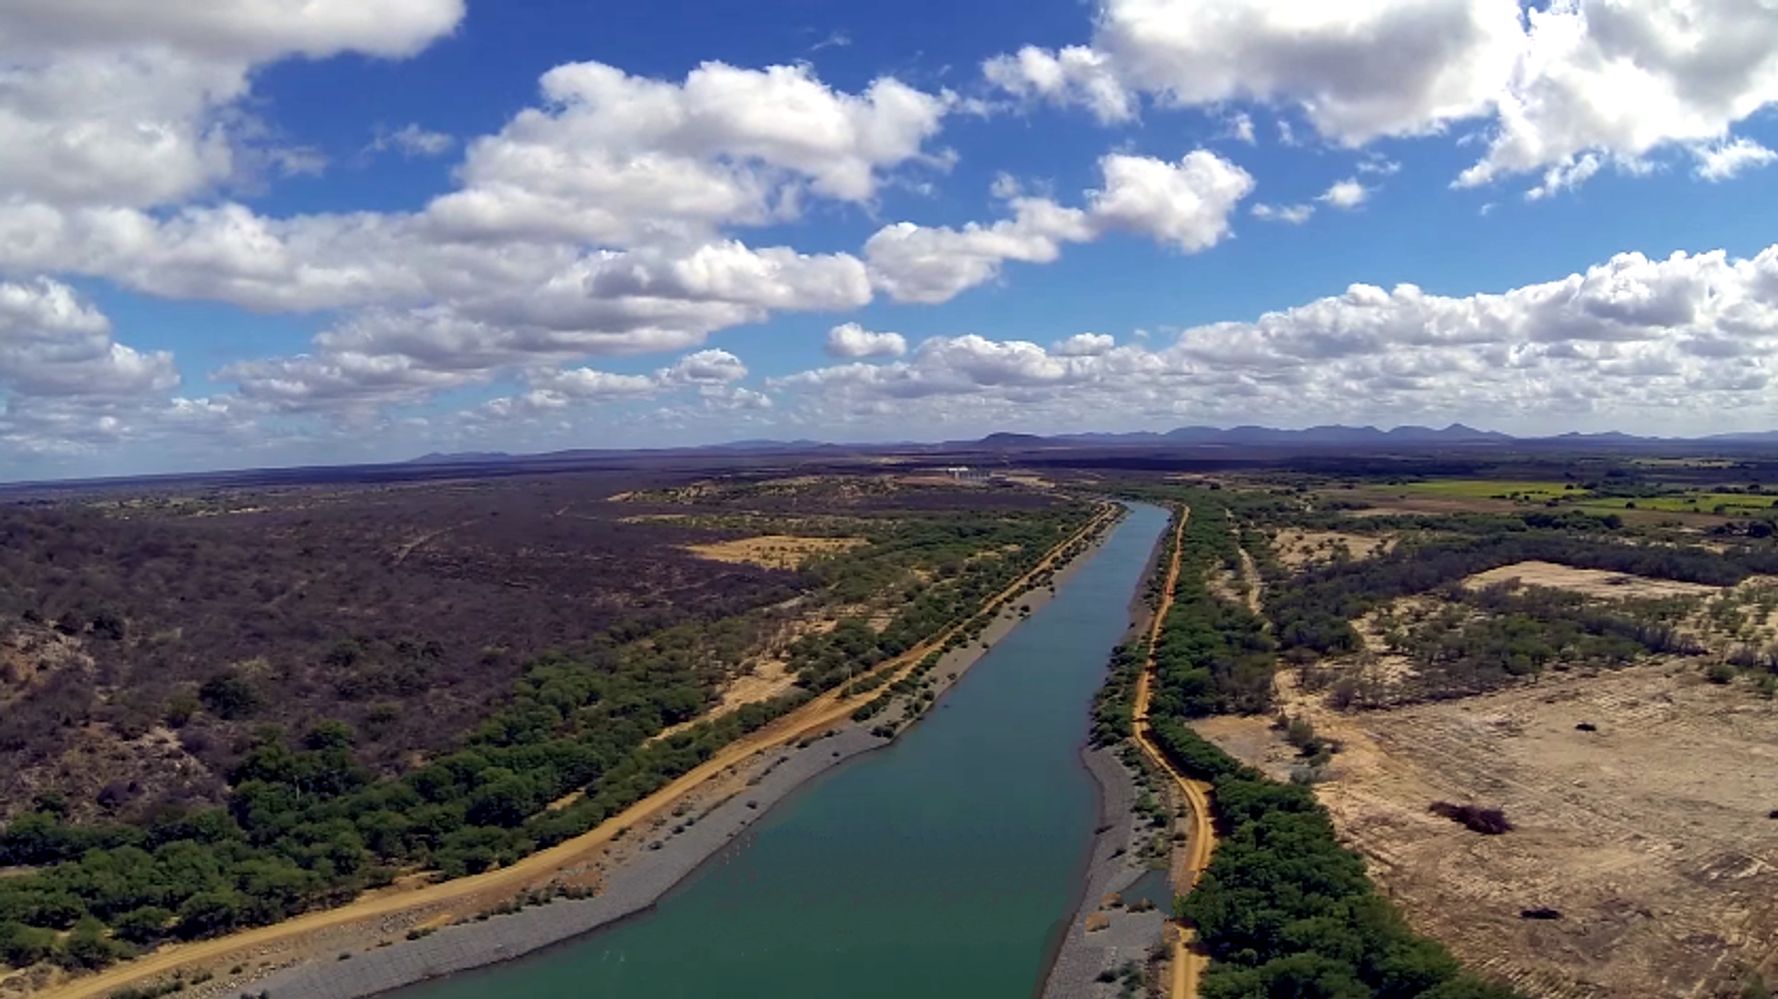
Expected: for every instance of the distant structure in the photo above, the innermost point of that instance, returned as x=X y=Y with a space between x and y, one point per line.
x=963 y=473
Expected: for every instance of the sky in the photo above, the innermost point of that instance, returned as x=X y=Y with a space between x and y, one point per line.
x=263 y=232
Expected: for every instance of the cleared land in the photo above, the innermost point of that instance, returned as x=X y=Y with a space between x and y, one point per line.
x=1594 y=583
x=1649 y=835
x=774 y=551
x=1300 y=548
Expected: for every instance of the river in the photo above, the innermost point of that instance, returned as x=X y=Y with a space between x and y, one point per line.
x=942 y=866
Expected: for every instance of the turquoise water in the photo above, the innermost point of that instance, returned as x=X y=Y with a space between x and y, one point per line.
x=942 y=866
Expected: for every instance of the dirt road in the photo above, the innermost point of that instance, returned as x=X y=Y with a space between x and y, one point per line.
x=1188 y=961
x=476 y=892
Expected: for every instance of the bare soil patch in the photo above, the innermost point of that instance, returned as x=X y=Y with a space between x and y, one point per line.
x=1300 y=548
x=773 y=551
x=1648 y=832
x=1588 y=582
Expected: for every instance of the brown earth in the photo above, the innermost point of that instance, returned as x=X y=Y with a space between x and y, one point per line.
x=1650 y=835
x=1588 y=582
x=773 y=551
x=1299 y=548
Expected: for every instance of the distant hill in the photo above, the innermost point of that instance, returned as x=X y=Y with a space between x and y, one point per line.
x=1327 y=436
x=460 y=458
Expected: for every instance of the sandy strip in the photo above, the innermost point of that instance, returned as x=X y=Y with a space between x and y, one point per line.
x=635 y=876
x=1115 y=865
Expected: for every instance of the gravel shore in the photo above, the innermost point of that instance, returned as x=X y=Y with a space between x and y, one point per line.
x=637 y=877
x=1118 y=935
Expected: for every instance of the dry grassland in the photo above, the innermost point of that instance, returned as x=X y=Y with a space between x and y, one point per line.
x=773 y=551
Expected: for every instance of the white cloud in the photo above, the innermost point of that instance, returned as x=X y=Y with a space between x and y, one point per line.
x=1185 y=205
x=1241 y=128
x=1292 y=214
x=706 y=367
x=1075 y=75
x=1612 y=79
x=412 y=140
x=1560 y=87
x=53 y=344
x=601 y=304
x=1446 y=59
x=916 y=263
x=1725 y=160
x=1566 y=175
x=853 y=341
x=135 y=102
x=1084 y=345
x=1632 y=339
x=1345 y=194
x=615 y=158
x=252 y=29
x=710 y=374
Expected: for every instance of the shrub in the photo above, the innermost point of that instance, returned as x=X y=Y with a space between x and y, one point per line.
x=1487 y=821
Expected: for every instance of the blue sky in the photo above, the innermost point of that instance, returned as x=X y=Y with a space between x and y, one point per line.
x=258 y=235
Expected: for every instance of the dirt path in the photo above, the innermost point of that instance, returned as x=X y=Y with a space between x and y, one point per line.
x=476 y=892
x=1188 y=960
x=1250 y=582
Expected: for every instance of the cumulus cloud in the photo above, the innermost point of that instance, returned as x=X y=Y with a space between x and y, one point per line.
x=603 y=303
x=1084 y=345
x=1631 y=338
x=915 y=263
x=1448 y=58
x=1562 y=87
x=1345 y=194
x=852 y=340
x=68 y=387
x=1074 y=74
x=54 y=344
x=710 y=374
x=128 y=102
x=1725 y=160
x=611 y=157
x=1185 y=205
x=1619 y=80
x=592 y=224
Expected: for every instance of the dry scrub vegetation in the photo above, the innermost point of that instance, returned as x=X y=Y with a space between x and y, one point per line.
x=1639 y=801
x=774 y=551
x=1552 y=733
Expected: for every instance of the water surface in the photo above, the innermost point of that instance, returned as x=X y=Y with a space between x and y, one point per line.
x=942 y=866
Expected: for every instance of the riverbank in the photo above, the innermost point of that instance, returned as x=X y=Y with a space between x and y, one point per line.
x=654 y=849
x=1105 y=933
x=1114 y=925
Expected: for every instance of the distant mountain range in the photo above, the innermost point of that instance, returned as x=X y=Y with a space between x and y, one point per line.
x=1331 y=436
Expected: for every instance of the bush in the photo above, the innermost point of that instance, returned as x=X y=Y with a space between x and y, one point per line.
x=87 y=947
x=229 y=695
x=1487 y=821
x=144 y=925
x=22 y=946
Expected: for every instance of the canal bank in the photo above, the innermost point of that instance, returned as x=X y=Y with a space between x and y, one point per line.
x=1101 y=582
x=942 y=865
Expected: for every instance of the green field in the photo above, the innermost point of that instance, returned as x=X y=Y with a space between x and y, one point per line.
x=1489 y=489
x=1688 y=502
